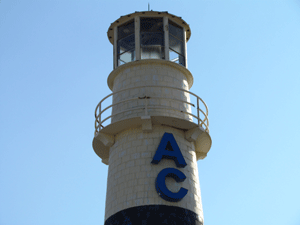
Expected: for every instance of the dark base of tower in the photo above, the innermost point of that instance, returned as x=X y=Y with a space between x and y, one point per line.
x=154 y=215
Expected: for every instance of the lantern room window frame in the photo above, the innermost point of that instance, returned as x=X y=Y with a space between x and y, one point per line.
x=125 y=40
x=170 y=53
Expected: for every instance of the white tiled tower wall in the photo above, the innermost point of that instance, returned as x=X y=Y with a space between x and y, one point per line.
x=131 y=176
x=151 y=74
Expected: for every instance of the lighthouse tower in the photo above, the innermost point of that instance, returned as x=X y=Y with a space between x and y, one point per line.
x=156 y=129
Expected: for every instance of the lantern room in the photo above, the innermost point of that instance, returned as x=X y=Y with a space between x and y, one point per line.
x=149 y=35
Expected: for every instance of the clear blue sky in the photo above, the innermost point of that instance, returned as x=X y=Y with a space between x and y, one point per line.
x=54 y=61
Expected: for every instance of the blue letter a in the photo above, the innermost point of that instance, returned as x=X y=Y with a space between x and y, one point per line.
x=168 y=149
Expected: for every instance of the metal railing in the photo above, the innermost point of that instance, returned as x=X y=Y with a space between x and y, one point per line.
x=204 y=123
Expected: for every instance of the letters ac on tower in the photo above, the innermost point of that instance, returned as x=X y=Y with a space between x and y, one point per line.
x=151 y=129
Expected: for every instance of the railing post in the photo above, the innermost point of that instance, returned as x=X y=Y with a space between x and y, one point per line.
x=146 y=102
x=146 y=109
x=198 y=118
x=99 y=117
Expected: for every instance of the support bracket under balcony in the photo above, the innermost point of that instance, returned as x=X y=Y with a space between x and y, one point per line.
x=201 y=139
x=146 y=123
x=106 y=139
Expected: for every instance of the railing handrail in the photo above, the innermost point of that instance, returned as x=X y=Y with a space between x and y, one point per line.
x=99 y=122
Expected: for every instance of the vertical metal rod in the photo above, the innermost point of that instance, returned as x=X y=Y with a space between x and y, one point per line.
x=115 y=48
x=99 y=117
x=137 y=38
x=166 y=33
x=198 y=111
x=146 y=102
x=185 y=48
x=146 y=108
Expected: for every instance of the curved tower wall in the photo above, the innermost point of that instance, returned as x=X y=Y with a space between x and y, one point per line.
x=131 y=176
x=155 y=73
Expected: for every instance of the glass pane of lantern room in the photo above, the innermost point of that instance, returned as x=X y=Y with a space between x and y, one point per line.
x=181 y=60
x=152 y=38
x=174 y=57
x=126 y=57
x=152 y=45
x=176 y=31
x=152 y=52
x=177 y=58
x=151 y=25
x=176 y=44
x=126 y=29
x=125 y=44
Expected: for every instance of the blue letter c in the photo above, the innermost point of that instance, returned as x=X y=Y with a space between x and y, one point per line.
x=162 y=189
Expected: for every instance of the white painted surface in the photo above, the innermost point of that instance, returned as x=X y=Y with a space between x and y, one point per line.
x=150 y=74
x=131 y=176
